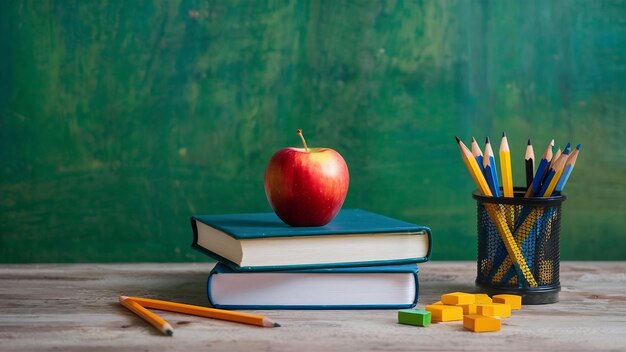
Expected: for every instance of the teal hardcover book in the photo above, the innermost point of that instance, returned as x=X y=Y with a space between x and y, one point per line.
x=374 y=287
x=262 y=242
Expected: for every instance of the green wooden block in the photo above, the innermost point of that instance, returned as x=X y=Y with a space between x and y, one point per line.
x=417 y=317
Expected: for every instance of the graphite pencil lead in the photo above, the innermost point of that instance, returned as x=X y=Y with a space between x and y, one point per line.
x=457 y=139
x=529 y=141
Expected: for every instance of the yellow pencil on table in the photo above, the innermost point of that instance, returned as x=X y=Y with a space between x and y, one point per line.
x=147 y=315
x=239 y=317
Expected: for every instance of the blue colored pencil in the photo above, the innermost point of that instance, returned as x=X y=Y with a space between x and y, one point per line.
x=567 y=171
x=491 y=173
x=541 y=171
x=556 y=166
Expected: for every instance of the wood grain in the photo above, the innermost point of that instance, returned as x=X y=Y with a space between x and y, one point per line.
x=74 y=308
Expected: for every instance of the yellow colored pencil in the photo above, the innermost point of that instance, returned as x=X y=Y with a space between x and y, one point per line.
x=147 y=315
x=505 y=167
x=556 y=156
x=239 y=317
x=474 y=169
x=478 y=154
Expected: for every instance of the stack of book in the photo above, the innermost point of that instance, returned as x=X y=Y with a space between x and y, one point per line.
x=359 y=260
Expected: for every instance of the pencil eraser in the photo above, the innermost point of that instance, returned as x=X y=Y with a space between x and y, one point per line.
x=494 y=310
x=442 y=312
x=514 y=301
x=482 y=298
x=469 y=308
x=416 y=317
x=481 y=323
x=458 y=298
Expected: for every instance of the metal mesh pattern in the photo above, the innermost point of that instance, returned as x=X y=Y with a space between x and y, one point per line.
x=535 y=229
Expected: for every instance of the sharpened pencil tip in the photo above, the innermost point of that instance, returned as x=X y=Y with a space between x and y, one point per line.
x=473 y=139
x=529 y=143
x=552 y=143
x=503 y=134
x=276 y=325
x=457 y=139
x=579 y=146
x=567 y=149
x=487 y=140
x=169 y=333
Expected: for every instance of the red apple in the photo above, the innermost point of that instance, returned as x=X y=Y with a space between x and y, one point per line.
x=306 y=186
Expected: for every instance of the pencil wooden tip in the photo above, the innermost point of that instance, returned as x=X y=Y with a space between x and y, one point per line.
x=473 y=140
x=529 y=143
x=123 y=298
x=552 y=143
x=457 y=139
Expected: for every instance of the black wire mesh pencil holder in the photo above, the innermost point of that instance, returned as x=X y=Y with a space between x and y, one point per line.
x=534 y=223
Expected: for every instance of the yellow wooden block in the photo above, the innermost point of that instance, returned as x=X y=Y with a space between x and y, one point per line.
x=469 y=308
x=494 y=310
x=442 y=312
x=481 y=323
x=457 y=298
x=482 y=298
x=514 y=301
x=438 y=302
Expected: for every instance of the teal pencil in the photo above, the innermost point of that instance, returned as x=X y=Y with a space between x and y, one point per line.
x=567 y=171
x=489 y=165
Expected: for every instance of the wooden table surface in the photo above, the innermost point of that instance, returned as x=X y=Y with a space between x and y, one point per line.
x=74 y=308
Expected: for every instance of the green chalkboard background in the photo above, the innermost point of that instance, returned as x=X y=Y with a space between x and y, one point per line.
x=120 y=119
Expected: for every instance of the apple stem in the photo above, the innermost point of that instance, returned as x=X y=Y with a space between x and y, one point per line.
x=299 y=132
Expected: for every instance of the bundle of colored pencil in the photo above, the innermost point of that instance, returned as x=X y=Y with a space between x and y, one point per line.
x=549 y=179
x=550 y=176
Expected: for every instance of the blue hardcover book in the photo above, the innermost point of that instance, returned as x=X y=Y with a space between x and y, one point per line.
x=375 y=287
x=262 y=242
